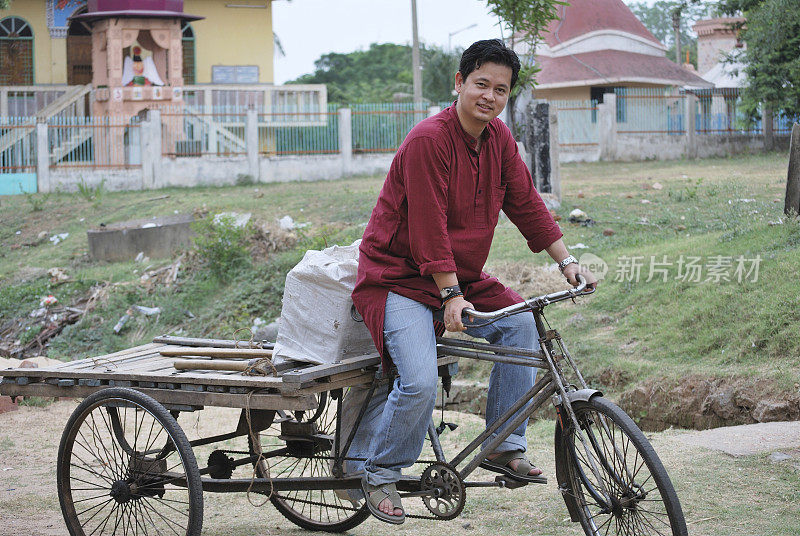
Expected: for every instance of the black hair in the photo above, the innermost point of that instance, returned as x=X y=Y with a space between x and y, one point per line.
x=491 y=51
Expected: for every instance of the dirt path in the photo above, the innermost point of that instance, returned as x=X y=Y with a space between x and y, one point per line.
x=750 y=494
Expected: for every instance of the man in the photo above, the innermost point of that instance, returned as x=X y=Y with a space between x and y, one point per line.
x=425 y=246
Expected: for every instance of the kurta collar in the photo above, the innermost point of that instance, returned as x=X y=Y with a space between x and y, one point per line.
x=470 y=140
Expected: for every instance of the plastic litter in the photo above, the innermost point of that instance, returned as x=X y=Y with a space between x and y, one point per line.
x=55 y=239
x=239 y=220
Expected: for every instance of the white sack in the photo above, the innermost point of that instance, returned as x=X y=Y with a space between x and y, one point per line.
x=316 y=324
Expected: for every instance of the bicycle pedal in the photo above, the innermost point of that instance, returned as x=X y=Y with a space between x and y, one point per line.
x=512 y=483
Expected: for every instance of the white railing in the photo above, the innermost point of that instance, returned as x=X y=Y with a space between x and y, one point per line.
x=265 y=98
x=67 y=104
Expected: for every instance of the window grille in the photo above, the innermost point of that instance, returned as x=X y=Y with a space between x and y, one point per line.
x=188 y=54
x=16 y=52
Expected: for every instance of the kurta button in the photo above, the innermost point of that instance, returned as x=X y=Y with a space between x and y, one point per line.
x=480 y=191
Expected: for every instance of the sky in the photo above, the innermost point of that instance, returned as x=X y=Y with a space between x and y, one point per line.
x=308 y=29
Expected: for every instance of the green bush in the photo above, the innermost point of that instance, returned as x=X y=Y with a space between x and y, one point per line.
x=222 y=245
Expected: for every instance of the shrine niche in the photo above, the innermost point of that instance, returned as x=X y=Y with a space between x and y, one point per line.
x=137 y=54
x=137 y=64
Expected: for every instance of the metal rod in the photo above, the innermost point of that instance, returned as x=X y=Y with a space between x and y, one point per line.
x=435 y=443
x=511 y=426
x=215 y=439
x=496 y=348
x=353 y=431
x=538 y=386
x=486 y=356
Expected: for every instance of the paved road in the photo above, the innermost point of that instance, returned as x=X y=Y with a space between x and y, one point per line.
x=748 y=439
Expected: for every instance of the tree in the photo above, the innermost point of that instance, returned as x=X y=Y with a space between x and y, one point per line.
x=382 y=73
x=658 y=19
x=772 y=55
x=523 y=21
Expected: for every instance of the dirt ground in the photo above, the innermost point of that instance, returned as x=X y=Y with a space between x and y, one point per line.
x=722 y=495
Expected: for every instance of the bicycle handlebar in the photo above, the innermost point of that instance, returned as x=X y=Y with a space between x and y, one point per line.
x=537 y=302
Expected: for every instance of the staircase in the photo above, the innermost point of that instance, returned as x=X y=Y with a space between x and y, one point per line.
x=70 y=97
x=217 y=133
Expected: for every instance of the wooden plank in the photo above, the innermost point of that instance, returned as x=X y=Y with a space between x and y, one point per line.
x=329 y=369
x=363 y=378
x=346 y=375
x=190 y=341
x=104 y=362
x=180 y=351
x=175 y=396
x=121 y=353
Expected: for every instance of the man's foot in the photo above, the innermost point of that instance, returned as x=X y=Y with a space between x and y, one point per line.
x=513 y=464
x=384 y=502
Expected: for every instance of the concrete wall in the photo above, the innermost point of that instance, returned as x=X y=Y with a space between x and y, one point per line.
x=67 y=180
x=220 y=171
x=567 y=155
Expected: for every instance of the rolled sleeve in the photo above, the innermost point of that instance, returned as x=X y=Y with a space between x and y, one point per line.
x=434 y=267
x=426 y=176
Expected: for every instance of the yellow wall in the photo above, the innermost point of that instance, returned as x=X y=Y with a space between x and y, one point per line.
x=567 y=93
x=227 y=36
x=232 y=36
x=49 y=55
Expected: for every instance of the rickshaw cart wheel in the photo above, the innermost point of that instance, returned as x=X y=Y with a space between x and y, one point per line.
x=307 y=443
x=125 y=466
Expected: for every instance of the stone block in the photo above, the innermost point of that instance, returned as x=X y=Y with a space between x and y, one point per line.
x=7 y=405
x=156 y=238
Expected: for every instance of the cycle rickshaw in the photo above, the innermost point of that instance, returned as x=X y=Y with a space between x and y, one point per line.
x=126 y=466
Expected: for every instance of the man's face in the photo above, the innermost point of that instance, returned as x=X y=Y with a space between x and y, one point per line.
x=484 y=93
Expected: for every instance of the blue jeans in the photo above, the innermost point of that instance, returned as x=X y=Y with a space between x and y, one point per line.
x=392 y=432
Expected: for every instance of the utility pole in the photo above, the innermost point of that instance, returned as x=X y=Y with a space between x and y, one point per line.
x=676 y=25
x=415 y=66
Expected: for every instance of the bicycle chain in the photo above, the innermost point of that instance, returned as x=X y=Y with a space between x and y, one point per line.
x=427 y=463
x=351 y=509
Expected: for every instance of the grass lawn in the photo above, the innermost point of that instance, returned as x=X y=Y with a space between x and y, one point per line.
x=722 y=301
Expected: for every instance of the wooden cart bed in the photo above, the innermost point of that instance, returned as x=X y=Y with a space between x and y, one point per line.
x=146 y=370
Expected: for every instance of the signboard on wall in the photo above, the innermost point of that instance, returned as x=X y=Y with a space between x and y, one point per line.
x=234 y=74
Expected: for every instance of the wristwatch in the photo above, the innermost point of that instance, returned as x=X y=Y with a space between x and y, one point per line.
x=450 y=292
x=566 y=262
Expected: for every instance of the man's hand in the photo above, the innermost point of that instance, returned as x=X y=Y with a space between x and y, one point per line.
x=452 y=313
x=572 y=270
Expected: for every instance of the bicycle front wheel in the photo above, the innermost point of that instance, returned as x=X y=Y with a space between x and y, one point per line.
x=615 y=482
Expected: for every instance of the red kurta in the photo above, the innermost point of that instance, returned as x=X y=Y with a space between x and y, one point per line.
x=437 y=212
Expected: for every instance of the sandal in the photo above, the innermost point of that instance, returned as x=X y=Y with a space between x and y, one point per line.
x=376 y=494
x=500 y=464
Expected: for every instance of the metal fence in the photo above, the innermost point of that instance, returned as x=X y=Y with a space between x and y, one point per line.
x=190 y=133
x=94 y=143
x=381 y=128
x=577 y=123
x=288 y=133
x=650 y=111
x=719 y=111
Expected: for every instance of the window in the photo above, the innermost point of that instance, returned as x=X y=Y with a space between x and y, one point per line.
x=188 y=54
x=16 y=52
